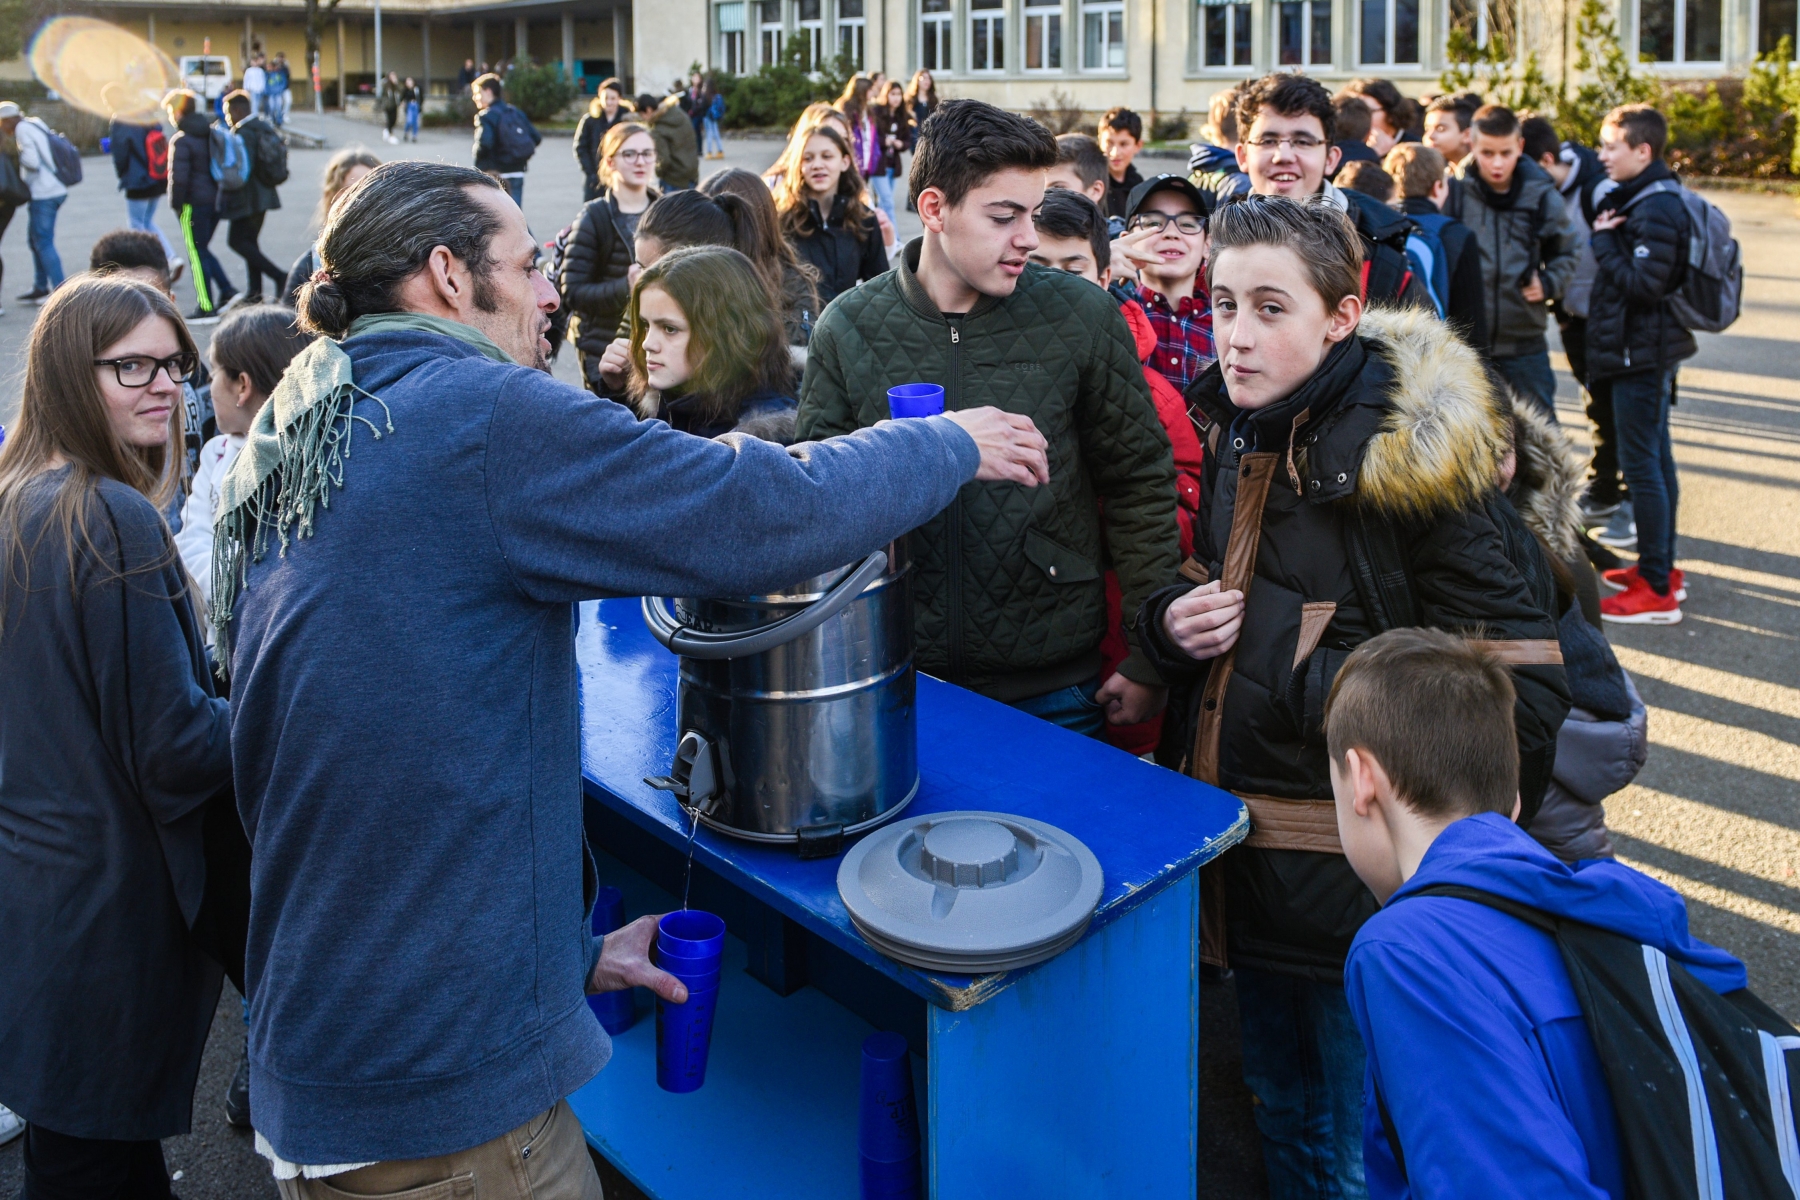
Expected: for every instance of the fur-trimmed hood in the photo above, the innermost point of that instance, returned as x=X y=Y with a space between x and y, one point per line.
x=1546 y=487
x=1440 y=444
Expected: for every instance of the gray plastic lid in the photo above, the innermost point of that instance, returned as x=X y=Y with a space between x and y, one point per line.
x=970 y=892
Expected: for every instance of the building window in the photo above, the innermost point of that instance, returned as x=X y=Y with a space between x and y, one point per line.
x=1390 y=32
x=1679 y=31
x=731 y=37
x=1103 y=36
x=1777 y=19
x=1305 y=33
x=987 y=35
x=850 y=31
x=1493 y=19
x=812 y=35
x=1224 y=32
x=1043 y=35
x=934 y=35
x=768 y=30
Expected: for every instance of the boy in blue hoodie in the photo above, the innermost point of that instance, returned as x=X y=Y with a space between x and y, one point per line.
x=1476 y=1043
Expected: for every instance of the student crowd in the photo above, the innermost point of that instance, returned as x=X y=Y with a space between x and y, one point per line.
x=1253 y=469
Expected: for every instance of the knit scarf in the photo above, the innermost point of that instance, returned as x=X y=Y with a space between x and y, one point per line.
x=295 y=452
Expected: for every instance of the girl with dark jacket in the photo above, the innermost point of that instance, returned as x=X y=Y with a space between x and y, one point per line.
x=820 y=198
x=707 y=353
x=894 y=127
x=246 y=207
x=116 y=747
x=389 y=103
x=605 y=110
x=144 y=181
x=595 y=280
x=195 y=197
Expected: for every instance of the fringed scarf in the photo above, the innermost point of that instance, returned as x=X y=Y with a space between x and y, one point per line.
x=294 y=455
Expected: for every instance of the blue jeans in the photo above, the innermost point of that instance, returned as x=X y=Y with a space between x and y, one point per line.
x=1640 y=404
x=412 y=118
x=1531 y=377
x=710 y=141
x=1073 y=707
x=1303 y=1061
x=47 y=271
x=884 y=192
x=141 y=214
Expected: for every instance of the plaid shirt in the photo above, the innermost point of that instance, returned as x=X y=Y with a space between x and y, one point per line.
x=1184 y=335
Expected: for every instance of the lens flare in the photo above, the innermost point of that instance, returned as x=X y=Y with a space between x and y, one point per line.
x=98 y=67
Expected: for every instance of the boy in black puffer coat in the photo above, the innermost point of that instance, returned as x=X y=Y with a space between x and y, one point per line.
x=1351 y=486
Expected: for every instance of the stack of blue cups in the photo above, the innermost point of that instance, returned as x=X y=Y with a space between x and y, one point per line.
x=617 y=1011
x=888 y=1139
x=690 y=945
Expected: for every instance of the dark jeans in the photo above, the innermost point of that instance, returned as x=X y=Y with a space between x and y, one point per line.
x=1531 y=377
x=60 y=1167
x=1640 y=404
x=1073 y=707
x=1603 y=484
x=245 y=232
x=1303 y=1062
x=198 y=221
x=47 y=263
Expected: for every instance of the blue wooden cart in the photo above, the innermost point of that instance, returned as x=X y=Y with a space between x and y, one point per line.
x=1076 y=1077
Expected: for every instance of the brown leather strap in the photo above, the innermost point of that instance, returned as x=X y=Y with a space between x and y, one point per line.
x=1315 y=619
x=1194 y=571
x=1277 y=824
x=1254 y=473
x=1523 y=652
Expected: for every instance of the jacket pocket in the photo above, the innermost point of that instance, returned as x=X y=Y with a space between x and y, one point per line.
x=1057 y=561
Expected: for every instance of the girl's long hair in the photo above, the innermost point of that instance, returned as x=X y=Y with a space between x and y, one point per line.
x=63 y=414
x=791 y=282
x=611 y=144
x=736 y=346
x=855 y=100
x=811 y=117
x=912 y=90
x=791 y=194
x=336 y=170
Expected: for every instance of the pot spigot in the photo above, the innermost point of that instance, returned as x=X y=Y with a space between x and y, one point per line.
x=693 y=777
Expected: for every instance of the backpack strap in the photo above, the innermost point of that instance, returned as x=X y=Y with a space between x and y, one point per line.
x=1389 y=1131
x=1537 y=918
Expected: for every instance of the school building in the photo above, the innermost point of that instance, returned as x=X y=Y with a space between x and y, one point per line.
x=1158 y=56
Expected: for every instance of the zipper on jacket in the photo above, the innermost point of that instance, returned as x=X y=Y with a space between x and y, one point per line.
x=954 y=601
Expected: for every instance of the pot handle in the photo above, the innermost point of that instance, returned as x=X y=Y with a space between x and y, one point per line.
x=697 y=643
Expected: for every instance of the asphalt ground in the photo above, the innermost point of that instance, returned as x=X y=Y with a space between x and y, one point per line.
x=1713 y=814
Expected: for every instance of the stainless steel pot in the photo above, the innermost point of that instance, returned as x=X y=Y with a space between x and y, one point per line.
x=796 y=707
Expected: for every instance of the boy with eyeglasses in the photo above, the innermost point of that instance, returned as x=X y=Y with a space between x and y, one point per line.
x=1172 y=213
x=1287 y=123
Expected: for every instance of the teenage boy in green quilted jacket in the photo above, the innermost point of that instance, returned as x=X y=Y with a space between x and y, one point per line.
x=1009 y=581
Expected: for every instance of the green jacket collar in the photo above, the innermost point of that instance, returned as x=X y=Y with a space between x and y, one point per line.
x=914 y=292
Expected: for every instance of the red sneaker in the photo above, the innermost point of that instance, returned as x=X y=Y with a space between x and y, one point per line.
x=1623 y=577
x=1638 y=605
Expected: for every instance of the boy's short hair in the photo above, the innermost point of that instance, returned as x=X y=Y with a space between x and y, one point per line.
x=1495 y=120
x=965 y=142
x=1124 y=120
x=1221 y=114
x=1067 y=214
x=128 y=250
x=1641 y=124
x=1313 y=228
x=240 y=101
x=489 y=83
x=1540 y=137
x=1289 y=94
x=1368 y=177
x=1353 y=119
x=1461 y=108
x=1437 y=713
x=1415 y=169
x=1081 y=152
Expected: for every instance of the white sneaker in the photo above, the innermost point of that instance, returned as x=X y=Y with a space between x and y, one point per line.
x=11 y=1125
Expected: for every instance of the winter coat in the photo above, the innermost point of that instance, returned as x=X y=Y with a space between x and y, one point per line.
x=1638 y=266
x=893 y=123
x=190 y=164
x=1118 y=191
x=1582 y=191
x=1465 y=305
x=389 y=99
x=677 y=150
x=590 y=131
x=1383 y=231
x=1393 y=443
x=114 y=743
x=1007 y=581
x=1523 y=232
x=593 y=277
x=1349 y=152
x=842 y=259
x=488 y=153
x=131 y=160
x=36 y=162
x=1215 y=169
x=1474 y=1033
x=768 y=416
x=263 y=142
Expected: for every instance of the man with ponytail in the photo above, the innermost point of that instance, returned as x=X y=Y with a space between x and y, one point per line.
x=399 y=548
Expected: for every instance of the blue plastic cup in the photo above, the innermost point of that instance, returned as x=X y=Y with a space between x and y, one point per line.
x=683 y=1037
x=616 y=1011
x=916 y=400
x=889 y=1131
x=696 y=937
x=890 y=1180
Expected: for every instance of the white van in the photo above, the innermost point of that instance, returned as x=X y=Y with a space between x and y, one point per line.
x=206 y=75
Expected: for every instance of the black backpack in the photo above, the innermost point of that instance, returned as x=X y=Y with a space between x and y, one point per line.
x=1699 y=1081
x=514 y=137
